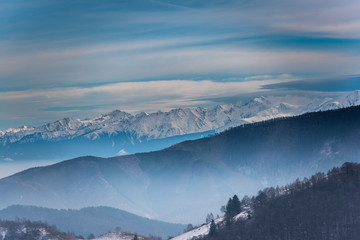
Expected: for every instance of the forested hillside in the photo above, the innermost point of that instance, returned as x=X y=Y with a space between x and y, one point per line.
x=26 y=230
x=326 y=206
x=93 y=220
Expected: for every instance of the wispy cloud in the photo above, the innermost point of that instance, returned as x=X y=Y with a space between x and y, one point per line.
x=147 y=96
x=56 y=56
x=151 y=59
x=7 y=159
x=340 y=84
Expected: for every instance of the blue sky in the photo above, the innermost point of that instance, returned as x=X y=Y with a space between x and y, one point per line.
x=83 y=58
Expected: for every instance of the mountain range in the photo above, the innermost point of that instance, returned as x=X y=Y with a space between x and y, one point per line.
x=120 y=133
x=186 y=181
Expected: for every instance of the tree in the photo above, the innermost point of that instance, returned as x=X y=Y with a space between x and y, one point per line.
x=232 y=208
x=236 y=205
x=245 y=201
x=135 y=237
x=188 y=228
x=91 y=236
x=209 y=217
x=228 y=208
x=223 y=209
x=212 y=230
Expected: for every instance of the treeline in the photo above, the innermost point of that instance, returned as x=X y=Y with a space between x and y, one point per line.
x=29 y=230
x=323 y=207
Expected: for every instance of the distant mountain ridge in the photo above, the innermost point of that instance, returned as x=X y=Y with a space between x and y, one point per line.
x=26 y=230
x=95 y=220
x=182 y=183
x=177 y=121
x=119 y=133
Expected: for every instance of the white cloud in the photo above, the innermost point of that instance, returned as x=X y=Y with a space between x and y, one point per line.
x=96 y=64
x=141 y=93
x=144 y=50
x=7 y=159
x=329 y=18
x=27 y=107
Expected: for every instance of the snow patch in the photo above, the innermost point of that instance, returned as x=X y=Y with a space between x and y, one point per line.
x=122 y=152
x=118 y=236
x=197 y=232
x=3 y=233
x=43 y=232
x=242 y=216
x=204 y=229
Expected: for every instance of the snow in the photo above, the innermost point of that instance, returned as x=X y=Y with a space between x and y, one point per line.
x=243 y=216
x=43 y=232
x=3 y=233
x=200 y=231
x=178 y=121
x=347 y=100
x=204 y=229
x=23 y=230
x=117 y=236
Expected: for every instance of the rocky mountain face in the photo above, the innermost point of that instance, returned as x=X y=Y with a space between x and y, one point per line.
x=186 y=181
x=119 y=133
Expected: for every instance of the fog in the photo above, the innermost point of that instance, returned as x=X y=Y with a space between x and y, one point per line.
x=11 y=167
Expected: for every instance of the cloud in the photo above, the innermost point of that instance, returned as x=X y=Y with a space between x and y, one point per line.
x=72 y=108
x=134 y=92
x=41 y=105
x=110 y=41
x=97 y=64
x=7 y=159
x=80 y=60
x=335 y=84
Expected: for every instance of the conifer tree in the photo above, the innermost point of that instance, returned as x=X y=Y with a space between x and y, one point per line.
x=236 y=205
x=232 y=208
x=228 y=208
x=212 y=228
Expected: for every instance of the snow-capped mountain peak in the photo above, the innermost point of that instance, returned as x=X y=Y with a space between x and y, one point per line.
x=347 y=100
x=178 y=121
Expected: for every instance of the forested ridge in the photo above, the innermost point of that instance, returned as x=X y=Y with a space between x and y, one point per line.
x=325 y=206
x=30 y=230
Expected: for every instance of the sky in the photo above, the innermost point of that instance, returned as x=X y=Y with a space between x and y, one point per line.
x=83 y=58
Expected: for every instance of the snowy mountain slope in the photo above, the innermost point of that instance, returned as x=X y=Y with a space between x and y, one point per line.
x=343 y=101
x=12 y=230
x=204 y=229
x=92 y=220
x=119 y=236
x=197 y=232
x=177 y=121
